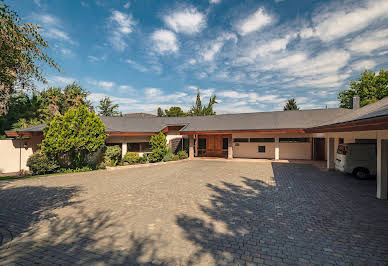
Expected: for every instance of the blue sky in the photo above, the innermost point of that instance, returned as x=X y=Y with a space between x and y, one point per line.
x=252 y=54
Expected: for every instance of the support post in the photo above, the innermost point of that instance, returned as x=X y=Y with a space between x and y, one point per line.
x=382 y=168
x=230 y=147
x=330 y=153
x=124 y=148
x=277 y=151
x=196 y=146
x=191 y=146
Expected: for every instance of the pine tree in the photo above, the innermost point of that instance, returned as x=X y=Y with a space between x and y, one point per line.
x=290 y=105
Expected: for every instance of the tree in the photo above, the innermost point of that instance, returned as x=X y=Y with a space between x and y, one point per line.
x=174 y=111
x=199 y=110
x=59 y=101
x=107 y=108
x=290 y=105
x=159 y=147
x=369 y=87
x=22 y=54
x=71 y=137
x=160 y=112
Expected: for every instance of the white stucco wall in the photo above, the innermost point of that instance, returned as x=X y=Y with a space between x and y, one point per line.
x=286 y=150
x=12 y=157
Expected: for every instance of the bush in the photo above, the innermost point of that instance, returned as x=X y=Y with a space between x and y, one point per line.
x=159 y=147
x=76 y=170
x=40 y=164
x=182 y=155
x=71 y=137
x=112 y=155
x=175 y=158
x=143 y=159
x=131 y=157
x=168 y=157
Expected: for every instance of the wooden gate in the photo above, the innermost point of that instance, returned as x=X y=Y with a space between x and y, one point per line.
x=213 y=145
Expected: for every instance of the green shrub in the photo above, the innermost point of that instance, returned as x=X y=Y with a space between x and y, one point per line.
x=143 y=159
x=76 y=170
x=71 y=137
x=112 y=155
x=175 y=157
x=159 y=147
x=131 y=158
x=40 y=164
x=168 y=157
x=182 y=155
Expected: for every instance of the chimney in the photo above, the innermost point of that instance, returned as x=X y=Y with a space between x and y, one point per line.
x=355 y=102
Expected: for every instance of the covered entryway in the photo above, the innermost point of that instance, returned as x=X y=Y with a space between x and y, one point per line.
x=319 y=149
x=213 y=146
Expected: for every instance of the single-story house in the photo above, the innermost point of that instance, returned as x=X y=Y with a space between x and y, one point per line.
x=303 y=134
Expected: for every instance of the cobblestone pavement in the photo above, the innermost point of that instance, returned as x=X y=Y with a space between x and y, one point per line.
x=194 y=212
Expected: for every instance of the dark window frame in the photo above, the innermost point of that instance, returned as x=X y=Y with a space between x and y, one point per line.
x=225 y=144
x=200 y=145
x=241 y=140
x=261 y=149
x=262 y=140
x=294 y=140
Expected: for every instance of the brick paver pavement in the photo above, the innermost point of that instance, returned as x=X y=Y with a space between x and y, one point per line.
x=194 y=212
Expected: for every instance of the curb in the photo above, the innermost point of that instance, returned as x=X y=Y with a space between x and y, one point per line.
x=110 y=168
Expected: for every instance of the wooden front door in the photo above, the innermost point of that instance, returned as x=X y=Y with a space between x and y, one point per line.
x=212 y=146
x=319 y=149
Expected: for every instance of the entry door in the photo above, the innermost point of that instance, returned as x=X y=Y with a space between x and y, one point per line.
x=212 y=146
x=319 y=149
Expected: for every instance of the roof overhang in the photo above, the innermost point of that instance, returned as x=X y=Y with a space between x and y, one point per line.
x=257 y=131
x=126 y=134
x=15 y=134
x=376 y=123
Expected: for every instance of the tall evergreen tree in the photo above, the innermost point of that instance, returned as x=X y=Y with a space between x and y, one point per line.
x=160 y=112
x=290 y=105
x=107 y=108
x=199 y=110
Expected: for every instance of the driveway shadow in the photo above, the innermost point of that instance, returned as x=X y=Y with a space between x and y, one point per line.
x=305 y=217
x=40 y=236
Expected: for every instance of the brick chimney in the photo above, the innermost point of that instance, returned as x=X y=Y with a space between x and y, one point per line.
x=355 y=102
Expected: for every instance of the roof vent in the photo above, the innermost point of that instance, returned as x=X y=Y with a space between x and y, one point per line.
x=355 y=102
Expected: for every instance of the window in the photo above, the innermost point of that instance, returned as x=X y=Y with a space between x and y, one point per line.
x=294 y=140
x=146 y=147
x=262 y=140
x=139 y=147
x=240 y=140
x=225 y=143
x=202 y=144
x=261 y=149
x=134 y=147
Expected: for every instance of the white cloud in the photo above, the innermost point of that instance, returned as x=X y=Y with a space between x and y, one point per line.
x=52 y=27
x=361 y=65
x=369 y=41
x=60 y=80
x=38 y=3
x=232 y=94
x=215 y=47
x=188 y=21
x=165 y=41
x=339 y=21
x=254 y=22
x=127 y=5
x=136 y=66
x=121 y=25
x=214 y=1
x=106 y=85
x=96 y=97
x=274 y=45
x=152 y=92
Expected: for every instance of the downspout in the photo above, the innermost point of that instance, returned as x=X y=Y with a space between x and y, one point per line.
x=20 y=155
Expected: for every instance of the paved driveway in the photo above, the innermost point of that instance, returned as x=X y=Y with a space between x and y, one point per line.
x=194 y=212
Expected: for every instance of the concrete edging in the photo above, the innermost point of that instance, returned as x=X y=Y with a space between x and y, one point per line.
x=112 y=168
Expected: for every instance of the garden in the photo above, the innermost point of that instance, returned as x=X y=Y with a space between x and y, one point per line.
x=75 y=142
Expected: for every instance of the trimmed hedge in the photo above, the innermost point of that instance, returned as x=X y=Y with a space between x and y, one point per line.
x=40 y=164
x=131 y=157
